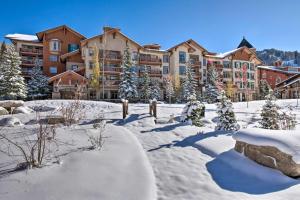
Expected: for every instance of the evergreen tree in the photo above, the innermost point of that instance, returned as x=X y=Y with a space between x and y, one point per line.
x=3 y=68
x=189 y=83
x=226 y=116
x=155 y=92
x=145 y=86
x=38 y=84
x=193 y=112
x=169 y=89
x=211 y=90
x=264 y=89
x=270 y=115
x=12 y=85
x=127 y=87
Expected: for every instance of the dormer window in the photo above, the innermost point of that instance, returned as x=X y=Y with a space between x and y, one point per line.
x=55 y=45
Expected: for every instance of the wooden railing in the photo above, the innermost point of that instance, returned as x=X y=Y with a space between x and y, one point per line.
x=33 y=51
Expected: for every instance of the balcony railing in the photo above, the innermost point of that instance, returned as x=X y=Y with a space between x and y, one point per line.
x=146 y=59
x=152 y=72
x=112 y=69
x=111 y=83
x=31 y=51
x=111 y=55
x=32 y=62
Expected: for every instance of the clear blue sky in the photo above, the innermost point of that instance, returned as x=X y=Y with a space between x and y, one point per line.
x=218 y=25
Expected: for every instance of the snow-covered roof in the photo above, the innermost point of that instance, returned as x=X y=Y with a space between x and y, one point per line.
x=23 y=37
x=274 y=68
x=223 y=55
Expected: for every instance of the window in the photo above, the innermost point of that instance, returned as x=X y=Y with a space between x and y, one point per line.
x=204 y=62
x=91 y=64
x=72 y=47
x=55 y=45
x=74 y=67
x=226 y=74
x=264 y=75
x=182 y=70
x=91 y=51
x=204 y=71
x=226 y=64
x=134 y=55
x=165 y=58
x=53 y=70
x=53 y=58
x=237 y=65
x=182 y=56
x=165 y=69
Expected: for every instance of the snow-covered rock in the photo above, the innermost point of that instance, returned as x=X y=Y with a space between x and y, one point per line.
x=3 y=111
x=10 y=121
x=272 y=148
x=22 y=109
x=11 y=103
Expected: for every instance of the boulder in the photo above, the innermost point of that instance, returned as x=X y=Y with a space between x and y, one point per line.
x=22 y=109
x=11 y=103
x=3 y=111
x=10 y=121
x=270 y=156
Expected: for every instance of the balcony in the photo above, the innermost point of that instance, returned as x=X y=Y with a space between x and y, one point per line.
x=111 y=83
x=31 y=51
x=152 y=73
x=31 y=62
x=112 y=69
x=147 y=59
x=111 y=56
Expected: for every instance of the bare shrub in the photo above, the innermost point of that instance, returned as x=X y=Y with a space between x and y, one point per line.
x=287 y=120
x=32 y=148
x=97 y=140
x=72 y=112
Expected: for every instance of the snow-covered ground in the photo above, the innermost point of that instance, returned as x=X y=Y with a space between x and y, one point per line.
x=142 y=160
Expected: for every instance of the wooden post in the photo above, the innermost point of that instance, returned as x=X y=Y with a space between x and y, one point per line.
x=154 y=107
x=150 y=108
x=125 y=108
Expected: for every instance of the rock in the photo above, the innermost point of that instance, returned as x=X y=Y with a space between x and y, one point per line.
x=3 y=111
x=271 y=157
x=22 y=109
x=55 y=119
x=10 y=121
x=11 y=103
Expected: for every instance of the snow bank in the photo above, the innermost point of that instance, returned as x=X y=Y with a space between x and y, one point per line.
x=286 y=141
x=22 y=109
x=121 y=170
x=10 y=121
x=11 y=103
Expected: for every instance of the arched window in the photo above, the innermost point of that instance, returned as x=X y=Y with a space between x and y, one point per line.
x=55 y=45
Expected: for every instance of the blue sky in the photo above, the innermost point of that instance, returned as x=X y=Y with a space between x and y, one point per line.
x=218 y=25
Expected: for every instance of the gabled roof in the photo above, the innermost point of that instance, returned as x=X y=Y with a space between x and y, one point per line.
x=191 y=41
x=274 y=68
x=185 y=43
x=111 y=30
x=289 y=80
x=245 y=43
x=58 y=76
x=41 y=34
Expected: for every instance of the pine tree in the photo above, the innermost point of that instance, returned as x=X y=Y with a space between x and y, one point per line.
x=193 y=112
x=96 y=70
x=127 y=87
x=226 y=116
x=211 y=89
x=38 y=84
x=145 y=86
x=12 y=85
x=189 y=83
x=169 y=89
x=270 y=114
x=3 y=68
x=155 y=91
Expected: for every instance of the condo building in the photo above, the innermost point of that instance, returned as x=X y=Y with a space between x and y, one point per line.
x=68 y=59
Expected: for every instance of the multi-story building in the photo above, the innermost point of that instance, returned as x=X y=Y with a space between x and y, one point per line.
x=237 y=69
x=69 y=58
x=56 y=50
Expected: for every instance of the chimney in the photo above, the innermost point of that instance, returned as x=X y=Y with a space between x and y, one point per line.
x=107 y=28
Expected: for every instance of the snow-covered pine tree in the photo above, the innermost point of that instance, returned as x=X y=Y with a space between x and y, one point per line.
x=127 y=87
x=193 y=112
x=270 y=115
x=189 y=83
x=12 y=85
x=38 y=84
x=264 y=89
x=226 y=116
x=211 y=91
x=155 y=91
x=3 y=68
x=169 y=89
x=145 y=86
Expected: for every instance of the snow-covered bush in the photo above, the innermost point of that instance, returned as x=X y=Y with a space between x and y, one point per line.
x=211 y=92
x=264 y=89
x=270 y=114
x=97 y=140
x=72 y=112
x=189 y=84
x=38 y=84
x=145 y=86
x=226 y=116
x=155 y=91
x=287 y=121
x=193 y=112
